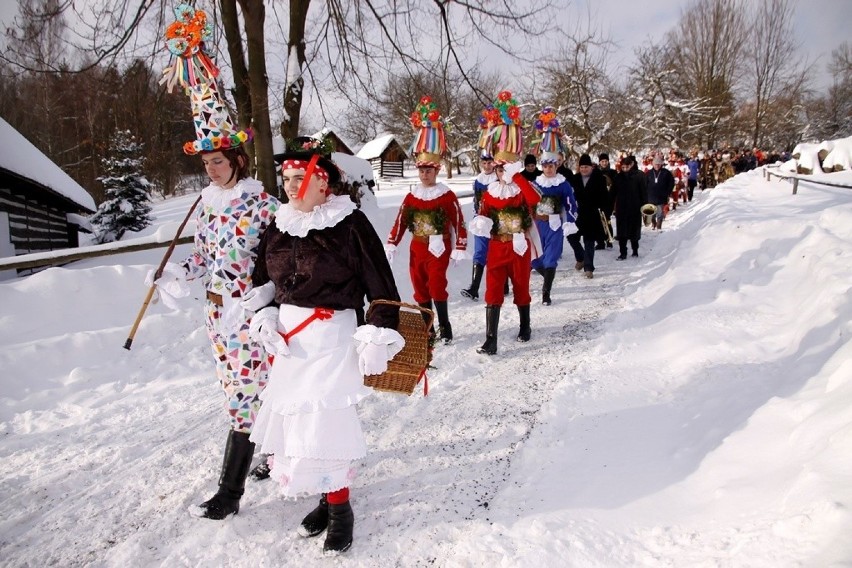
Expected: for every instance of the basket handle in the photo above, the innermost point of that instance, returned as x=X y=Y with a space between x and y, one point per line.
x=404 y=305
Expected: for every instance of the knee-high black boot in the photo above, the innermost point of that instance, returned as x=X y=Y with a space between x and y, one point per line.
x=341 y=522
x=475 y=281
x=317 y=520
x=232 y=481
x=525 y=332
x=549 y=275
x=445 y=330
x=492 y=323
x=428 y=306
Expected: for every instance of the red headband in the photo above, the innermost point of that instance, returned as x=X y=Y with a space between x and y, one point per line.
x=303 y=165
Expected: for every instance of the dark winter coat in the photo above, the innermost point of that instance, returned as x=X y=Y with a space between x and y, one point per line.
x=660 y=186
x=609 y=174
x=630 y=193
x=591 y=199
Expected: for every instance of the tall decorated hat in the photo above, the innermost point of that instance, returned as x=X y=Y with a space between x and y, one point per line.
x=429 y=145
x=190 y=41
x=550 y=146
x=502 y=132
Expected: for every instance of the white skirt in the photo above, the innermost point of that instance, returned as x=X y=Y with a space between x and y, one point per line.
x=308 y=419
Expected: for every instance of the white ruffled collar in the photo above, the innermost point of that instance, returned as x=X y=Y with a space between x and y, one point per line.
x=429 y=193
x=544 y=181
x=503 y=190
x=486 y=179
x=220 y=199
x=297 y=223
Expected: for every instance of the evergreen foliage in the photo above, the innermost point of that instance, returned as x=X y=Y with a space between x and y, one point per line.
x=127 y=206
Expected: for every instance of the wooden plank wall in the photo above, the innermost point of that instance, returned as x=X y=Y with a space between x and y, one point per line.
x=33 y=226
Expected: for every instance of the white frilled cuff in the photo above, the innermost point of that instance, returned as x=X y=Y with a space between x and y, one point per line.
x=390 y=252
x=480 y=226
x=436 y=245
x=380 y=336
x=459 y=255
x=519 y=243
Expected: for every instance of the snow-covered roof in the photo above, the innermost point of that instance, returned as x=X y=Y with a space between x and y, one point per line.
x=374 y=148
x=353 y=167
x=20 y=157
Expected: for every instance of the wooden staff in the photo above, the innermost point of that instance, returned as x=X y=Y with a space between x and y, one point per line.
x=157 y=275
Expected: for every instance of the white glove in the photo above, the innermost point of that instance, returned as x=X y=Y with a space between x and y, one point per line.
x=457 y=256
x=509 y=170
x=264 y=330
x=172 y=281
x=554 y=221
x=372 y=358
x=519 y=243
x=390 y=252
x=258 y=297
x=480 y=226
x=568 y=227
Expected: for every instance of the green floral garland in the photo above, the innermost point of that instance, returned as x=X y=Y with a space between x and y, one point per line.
x=523 y=212
x=435 y=217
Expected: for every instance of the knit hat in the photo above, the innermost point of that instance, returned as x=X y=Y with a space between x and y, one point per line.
x=430 y=145
x=550 y=147
x=190 y=42
x=603 y=156
x=503 y=134
x=529 y=159
x=585 y=160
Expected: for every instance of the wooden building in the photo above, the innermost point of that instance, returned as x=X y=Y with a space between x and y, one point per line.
x=386 y=156
x=41 y=207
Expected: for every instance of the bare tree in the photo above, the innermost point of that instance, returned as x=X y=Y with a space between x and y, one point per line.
x=708 y=42
x=774 y=69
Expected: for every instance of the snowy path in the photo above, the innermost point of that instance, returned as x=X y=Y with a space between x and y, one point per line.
x=687 y=408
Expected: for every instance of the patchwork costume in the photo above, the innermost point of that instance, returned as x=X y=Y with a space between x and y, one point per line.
x=230 y=224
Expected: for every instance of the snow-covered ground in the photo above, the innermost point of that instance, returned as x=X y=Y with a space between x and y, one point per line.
x=692 y=407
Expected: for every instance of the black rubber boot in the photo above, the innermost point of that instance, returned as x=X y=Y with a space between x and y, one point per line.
x=524 y=332
x=316 y=521
x=475 y=281
x=445 y=330
x=492 y=323
x=549 y=275
x=428 y=306
x=232 y=481
x=341 y=521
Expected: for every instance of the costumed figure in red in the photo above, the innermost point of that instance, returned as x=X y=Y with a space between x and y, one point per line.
x=506 y=215
x=433 y=215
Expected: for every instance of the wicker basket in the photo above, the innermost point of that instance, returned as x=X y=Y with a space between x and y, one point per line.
x=409 y=365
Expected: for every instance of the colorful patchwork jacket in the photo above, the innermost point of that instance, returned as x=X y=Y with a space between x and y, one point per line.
x=229 y=226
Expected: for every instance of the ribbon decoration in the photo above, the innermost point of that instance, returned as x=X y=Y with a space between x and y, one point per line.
x=319 y=314
x=309 y=172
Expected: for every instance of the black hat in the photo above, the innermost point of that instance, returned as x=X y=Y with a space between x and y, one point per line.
x=603 y=156
x=585 y=160
x=529 y=159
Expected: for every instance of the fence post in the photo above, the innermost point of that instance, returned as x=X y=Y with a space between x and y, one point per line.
x=795 y=185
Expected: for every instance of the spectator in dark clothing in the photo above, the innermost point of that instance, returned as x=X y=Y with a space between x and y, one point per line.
x=609 y=175
x=630 y=193
x=590 y=190
x=530 y=171
x=660 y=186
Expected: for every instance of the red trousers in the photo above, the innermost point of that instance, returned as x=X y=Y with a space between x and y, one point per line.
x=429 y=272
x=505 y=264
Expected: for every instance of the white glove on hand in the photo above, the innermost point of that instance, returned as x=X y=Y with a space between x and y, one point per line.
x=509 y=170
x=457 y=256
x=554 y=222
x=568 y=227
x=259 y=297
x=481 y=226
x=390 y=252
x=372 y=358
x=264 y=330
x=172 y=281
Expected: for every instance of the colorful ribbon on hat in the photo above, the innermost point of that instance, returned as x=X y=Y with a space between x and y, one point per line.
x=430 y=136
x=189 y=40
